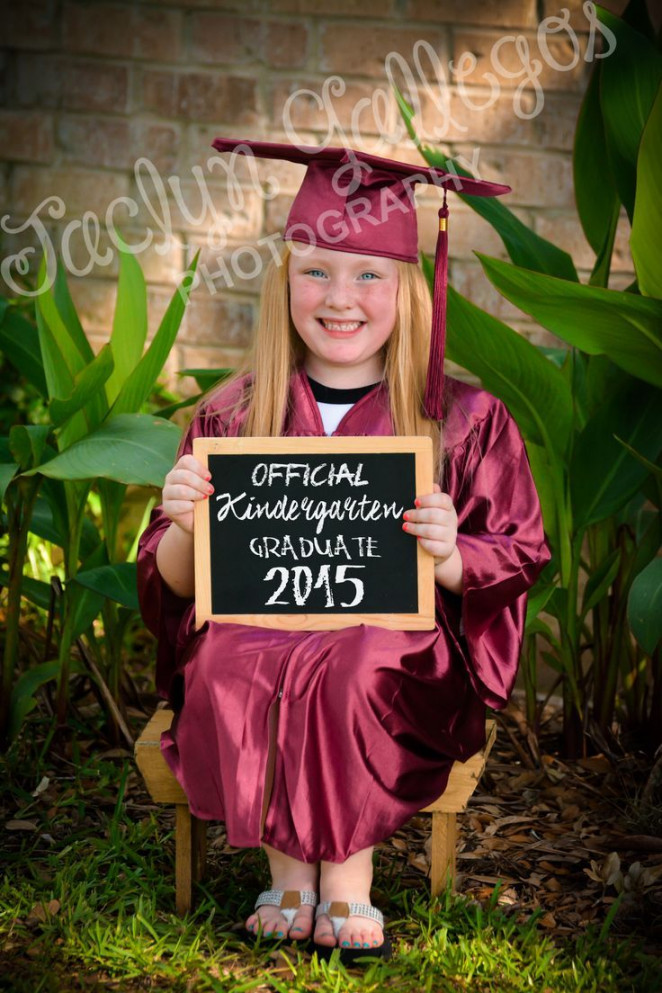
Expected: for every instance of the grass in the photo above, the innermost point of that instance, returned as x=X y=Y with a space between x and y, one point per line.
x=87 y=903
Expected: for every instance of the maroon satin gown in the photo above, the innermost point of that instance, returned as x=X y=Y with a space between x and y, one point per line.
x=370 y=720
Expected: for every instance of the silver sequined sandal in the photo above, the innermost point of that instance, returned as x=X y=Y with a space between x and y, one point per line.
x=338 y=911
x=289 y=902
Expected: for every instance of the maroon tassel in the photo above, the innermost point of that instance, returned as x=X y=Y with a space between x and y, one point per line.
x=434 y=387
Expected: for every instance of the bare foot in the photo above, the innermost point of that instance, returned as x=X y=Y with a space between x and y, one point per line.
x=286 y=874
x=348 y=882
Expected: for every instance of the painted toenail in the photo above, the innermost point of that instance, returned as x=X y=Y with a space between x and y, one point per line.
x=357 y=944
x=280 y=934
x=366 y=944
x=345 y=944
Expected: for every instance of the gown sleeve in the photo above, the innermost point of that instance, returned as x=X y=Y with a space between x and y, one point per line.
x=503 y=547
x=162 y=610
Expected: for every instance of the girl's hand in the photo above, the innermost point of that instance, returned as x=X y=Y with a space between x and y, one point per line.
x=186 y=482
x=434 y=523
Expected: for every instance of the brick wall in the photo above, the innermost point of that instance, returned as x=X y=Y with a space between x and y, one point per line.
x=86 y=88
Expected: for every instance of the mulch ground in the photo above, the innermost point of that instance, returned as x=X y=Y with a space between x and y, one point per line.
x=564 y=838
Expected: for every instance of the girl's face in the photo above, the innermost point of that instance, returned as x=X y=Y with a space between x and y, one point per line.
x=344 y=309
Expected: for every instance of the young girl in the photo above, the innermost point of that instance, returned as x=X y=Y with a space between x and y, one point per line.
x=317 y=745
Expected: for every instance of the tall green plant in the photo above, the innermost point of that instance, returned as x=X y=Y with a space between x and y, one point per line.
x=590 y=421
x=96 y=437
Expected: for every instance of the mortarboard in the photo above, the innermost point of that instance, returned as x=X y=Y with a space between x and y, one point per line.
x=357 y=202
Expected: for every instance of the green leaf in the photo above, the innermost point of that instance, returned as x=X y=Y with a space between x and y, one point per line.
x=139 y=383
x=59 y=377
x=117 y=582
x=603 y=379
x=129 y=321
x=85 y=606
x=558 y=356
x=625 y=327
x=595 y=190
x=600 y=273
x=112 y=499
x=648 y=540
x=132 y=554
x=49 y=517
x=599 y=581
x=42 y=523
x=647 y=220
x=87 y=384
x=538 y=626
x=603 y=474
x=36 y=592
x=533 y=389
x=645 y=606
x=97 y=405
x=654 y=469
x=167 y=412
x=67 y=311
x=23 y=700
x=523 y=245
x=69 y=353
x=547 y=489
x=206 y=378
x=629 y=80
x=556 y=662
x=28 y=443
x=32 y=589
x=82 y=604
x=7 y=472
x=19 y=340
x=130 y=448
x=54 y=515
x=536 y=603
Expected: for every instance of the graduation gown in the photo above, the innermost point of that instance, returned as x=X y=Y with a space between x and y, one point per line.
x=368 y=721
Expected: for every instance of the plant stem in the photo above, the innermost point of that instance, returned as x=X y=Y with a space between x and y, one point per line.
x=76 y=497
x=573 y=694
x=19 y=517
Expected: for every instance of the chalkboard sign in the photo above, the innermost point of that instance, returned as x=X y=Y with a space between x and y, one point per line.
x=306 y=533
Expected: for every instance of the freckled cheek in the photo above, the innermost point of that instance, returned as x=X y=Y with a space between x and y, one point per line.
x=304 y=304
x=377 y=291
x=381 y=303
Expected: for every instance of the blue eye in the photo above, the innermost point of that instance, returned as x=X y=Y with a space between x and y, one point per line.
x=369 y=275
x=313 y=272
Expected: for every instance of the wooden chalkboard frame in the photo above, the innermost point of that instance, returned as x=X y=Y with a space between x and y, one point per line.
x=420 y=447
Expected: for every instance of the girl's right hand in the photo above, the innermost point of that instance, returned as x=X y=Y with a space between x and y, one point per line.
x=186 y=482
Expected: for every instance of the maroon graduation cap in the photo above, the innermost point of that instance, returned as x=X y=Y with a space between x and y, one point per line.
x=353 y=201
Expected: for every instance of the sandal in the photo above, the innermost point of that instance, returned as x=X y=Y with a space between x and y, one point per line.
x=338 y=911
x=289 y=902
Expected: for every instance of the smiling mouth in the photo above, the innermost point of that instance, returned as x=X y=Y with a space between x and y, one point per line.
x=341 y=327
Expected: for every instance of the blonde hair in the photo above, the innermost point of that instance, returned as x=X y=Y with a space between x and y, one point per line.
x=277 y=350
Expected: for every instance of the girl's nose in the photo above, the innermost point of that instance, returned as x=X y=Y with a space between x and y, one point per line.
x=340 y=294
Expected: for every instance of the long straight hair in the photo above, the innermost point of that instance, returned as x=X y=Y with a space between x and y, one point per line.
x=277 y=350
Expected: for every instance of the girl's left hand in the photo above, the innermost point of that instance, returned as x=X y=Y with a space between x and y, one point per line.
x=434 y=523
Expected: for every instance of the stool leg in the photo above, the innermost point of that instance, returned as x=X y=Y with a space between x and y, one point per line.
x=442 y=855
x=199 y=842
x=185 y=860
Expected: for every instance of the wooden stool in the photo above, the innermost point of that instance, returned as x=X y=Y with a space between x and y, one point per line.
x=191 y=832
x=462 y=782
